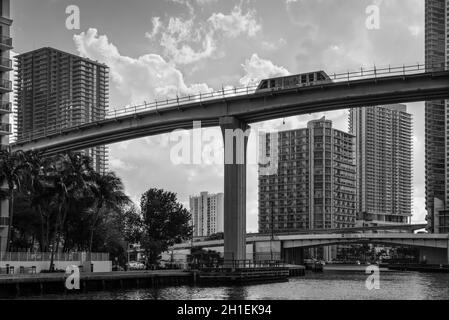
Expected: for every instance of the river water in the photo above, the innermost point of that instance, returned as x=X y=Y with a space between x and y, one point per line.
x=329 y=285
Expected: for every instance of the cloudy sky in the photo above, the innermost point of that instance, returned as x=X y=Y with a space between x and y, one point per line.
x=159 y=48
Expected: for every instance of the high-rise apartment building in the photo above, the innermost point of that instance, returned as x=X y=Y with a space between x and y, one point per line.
x=384 y=163
x=55 y=89
x=315 y=183
x=5 y=105
x=437 y=119
x=207 y=214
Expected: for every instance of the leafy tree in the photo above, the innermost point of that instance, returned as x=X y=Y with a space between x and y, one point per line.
x=201 y=257
x=63 y=204
x=11 y=167
x=109 y=237
x=41 y=191
x=70 y=182
x=27 y=224
x=132 y=224
x=109 y=195
x=165 y=223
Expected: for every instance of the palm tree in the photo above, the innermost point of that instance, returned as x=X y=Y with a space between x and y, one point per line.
x=71 y=182
x=40 y=190
x=108 y=192
x=12 y=166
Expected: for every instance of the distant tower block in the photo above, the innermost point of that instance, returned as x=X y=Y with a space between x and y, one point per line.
x=384 y=163
x=207 y=214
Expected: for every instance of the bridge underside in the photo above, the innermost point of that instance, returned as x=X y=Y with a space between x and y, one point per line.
x=440 y=244
x=434 y=251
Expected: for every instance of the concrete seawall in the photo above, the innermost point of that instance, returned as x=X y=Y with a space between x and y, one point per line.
x=31 y=284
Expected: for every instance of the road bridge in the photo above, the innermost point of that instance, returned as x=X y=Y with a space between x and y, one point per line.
x=434 y=247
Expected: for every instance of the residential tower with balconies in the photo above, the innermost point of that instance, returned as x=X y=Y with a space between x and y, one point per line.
x=6 y=67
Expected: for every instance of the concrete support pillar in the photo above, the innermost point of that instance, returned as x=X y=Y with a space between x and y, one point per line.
x=235 y=136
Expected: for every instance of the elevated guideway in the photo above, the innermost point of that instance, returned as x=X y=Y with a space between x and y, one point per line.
x=352 y=89
x=237 y=109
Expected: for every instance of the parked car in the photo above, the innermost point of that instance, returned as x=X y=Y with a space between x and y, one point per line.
x=134 y=265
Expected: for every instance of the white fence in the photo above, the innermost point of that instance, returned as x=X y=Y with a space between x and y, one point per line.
x=35 y=262
x=58 y=256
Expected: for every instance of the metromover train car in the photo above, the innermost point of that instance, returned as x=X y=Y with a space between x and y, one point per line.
x=293 y=81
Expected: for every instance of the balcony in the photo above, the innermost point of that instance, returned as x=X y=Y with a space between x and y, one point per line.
x=4 y=222
x=5 y=86
x=5 y=107
x=5 y=43
x=5 y=65
x=5 y=129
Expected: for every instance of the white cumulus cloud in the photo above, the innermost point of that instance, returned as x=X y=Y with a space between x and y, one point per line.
x=187 y=41
x=147 y=77
x=156 y=21
x=179 y=36
x=257 y=69
x=236 y=23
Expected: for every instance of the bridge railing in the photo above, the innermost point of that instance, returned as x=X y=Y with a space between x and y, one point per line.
x=225 y=265
x=183 y=101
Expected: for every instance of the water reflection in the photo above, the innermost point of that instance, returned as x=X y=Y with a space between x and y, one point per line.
x=236 y=293
x=327 y=285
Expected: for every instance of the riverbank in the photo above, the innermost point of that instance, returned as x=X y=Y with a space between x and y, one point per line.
x=19 y=284
x=45 y=283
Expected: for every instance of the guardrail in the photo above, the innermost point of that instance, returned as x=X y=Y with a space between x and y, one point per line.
x=237 y=265
x=58 y=256
x=183 y=101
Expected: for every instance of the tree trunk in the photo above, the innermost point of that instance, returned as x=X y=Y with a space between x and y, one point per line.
x=42 y=246
x=55 y=242
x=92 y=229
x=11 y=212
